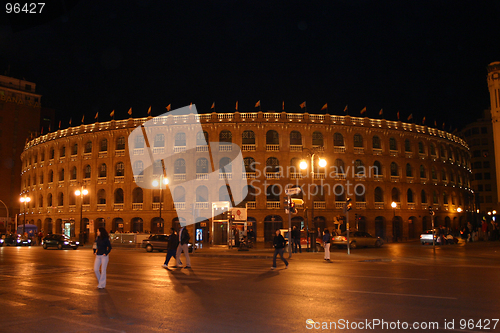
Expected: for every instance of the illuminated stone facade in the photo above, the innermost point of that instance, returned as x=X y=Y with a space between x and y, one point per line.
x=375 y=161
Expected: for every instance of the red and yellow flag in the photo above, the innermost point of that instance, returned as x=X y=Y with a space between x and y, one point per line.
x=363 y=110
x=130 y=111
x=325 y=107
x=236 y=105
x=257 y=104
x=112 y=114
x=303 y=105
x=213 y=106
x=149 y=111
x=169 y=107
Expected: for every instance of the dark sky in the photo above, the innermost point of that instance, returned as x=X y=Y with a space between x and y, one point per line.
x=426 y=58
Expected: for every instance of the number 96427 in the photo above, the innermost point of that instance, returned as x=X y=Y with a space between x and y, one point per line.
x=24 y=8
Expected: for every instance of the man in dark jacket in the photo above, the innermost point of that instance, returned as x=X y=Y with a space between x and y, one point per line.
x=296 y=240
x=279 y=248
x=173 y=244
x=183 y=247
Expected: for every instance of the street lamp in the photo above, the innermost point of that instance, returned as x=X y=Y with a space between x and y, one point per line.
x=81 y=192
x=459 y=210
x=394 y=205
x=156 y=183
x=24 y=200
x=303 y=166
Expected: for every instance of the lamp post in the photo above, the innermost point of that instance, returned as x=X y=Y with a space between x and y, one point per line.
x=81 y=192
x=394 y=205
x=24 y=200
x=156 y=183
x=303 y=166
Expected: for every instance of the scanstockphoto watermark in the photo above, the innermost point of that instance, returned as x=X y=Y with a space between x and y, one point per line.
x=309 y=191
x=382 y=324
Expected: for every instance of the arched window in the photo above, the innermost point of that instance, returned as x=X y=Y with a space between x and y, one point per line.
x=202 y=138
x=202 y=194
x=317 y=139
x=272 y=165
x=120 y=169
x=180 y=139
x=139 y=142
x=376 y=169
x=101 y=197
x=423 y=197
x=87 y=172
x=49 y=200
x=395 y=194
x=249 y=164
x=358 y=141
x=157 y=168
x=295 y=138
x=179 y=194
x=225 y=137
x=40 y=200
x=408 y=146
x=60 y=199
x=61 y=175
x=443 y=175
x=393 y=144
x=434 y=197
x=295 y=165
x=102 y=170
x=159 y=140
x=339 y=167
x=74 y=150
x=442 y=151
x=359 y=168
x=338 y=140
x=433 y=149
x=88 y=147
x=272 y=138
x=376 y=142
x=423 y=173
x=51 y=154
x=409 y=196
x=104 y=145
x=119 y=196
x=120 y=143
x=41 y=178
x=248 y=137
x=421 y=149
x=138 y=168
x=225 y=165
x=137 y=195
x=433 y=173
x=250 y=193
x=51 y=176
x=273 y=193
x=179 y=166
x=378 y=195
x=409 y=171
x=445 y=198
x=202 y=165
x=394 y=169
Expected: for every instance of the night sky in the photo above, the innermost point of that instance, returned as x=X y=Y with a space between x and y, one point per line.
x=426 y=58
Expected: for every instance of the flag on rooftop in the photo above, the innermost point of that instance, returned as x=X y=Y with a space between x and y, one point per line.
x=257 y=104
x=169 y=107
x=130 y=111
x=345 y=109
x=112 y=114
x=149 y=111
x=325 y=107
x=381 y=112
x=363 y=110
x=303 y=105
x=213 y=106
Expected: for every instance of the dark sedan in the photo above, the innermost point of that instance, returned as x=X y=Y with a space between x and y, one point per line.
x=60 y=241
x=159 y=242
x=357 y=239
x=16 y=240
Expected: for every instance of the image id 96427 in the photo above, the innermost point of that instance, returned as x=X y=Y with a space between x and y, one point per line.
x=24 y=7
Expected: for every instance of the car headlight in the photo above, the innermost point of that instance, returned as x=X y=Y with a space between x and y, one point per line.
x=77 y=243
x=19 y=241
x=29 y=240
x=1 y=240
x=66 y=243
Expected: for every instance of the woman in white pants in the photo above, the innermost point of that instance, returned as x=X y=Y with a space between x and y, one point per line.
x=102 y=247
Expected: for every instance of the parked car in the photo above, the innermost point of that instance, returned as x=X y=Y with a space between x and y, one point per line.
x=357 y=239
x=60 y=241
x=16 y=240
x=426 y=238
x=155 y=242
x=159 y=242
x=304 y=241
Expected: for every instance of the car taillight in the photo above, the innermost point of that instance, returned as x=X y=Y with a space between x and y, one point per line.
x=344 y=239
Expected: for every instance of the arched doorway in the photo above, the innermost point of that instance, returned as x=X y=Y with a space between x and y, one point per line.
x=252 y=225
x=361 y=223
x=298 y=222
x=271 y=223
x=397 y=228
x=426 y=223
x=118 y=225
x=447 y=222
x=319 y=222
x=412 y=221
x=380 y=227
x=137 y=224
x=59 y=226
x=158 y=225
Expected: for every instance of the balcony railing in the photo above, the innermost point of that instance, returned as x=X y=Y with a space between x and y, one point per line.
x=119 y=179
x=273 y=204
x=137 y=205
x=339 y=204
x=201 y=176
x=120 y=152
x=339 y=149
x=103 y=154
x=359 y=150
x=248 y=147
x=180 y=205
x=156 y=206
x=225 y=147
x=273 y=175
x=118 y=206
x=101 y=180
x=411 y=205
x=159 y=150
x=360 y=205
x=319 y=205
x=101 y=207
x=251 y=205
x=377 y=151
x=227 y=176
x=248 y=175
x=295 y=147
x=202 y=148
x=272 y=147
x=179 y=149
x=179 y=176
x=139 y=151
x=201 y=205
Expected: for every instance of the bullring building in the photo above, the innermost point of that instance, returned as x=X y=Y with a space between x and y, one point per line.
x=392 y=171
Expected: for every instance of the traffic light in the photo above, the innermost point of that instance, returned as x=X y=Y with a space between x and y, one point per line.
x=225 y=215
x=291 y=206
x=348 y=205
x=431 y=211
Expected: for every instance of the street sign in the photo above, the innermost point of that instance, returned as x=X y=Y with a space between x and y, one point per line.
x=293 y=191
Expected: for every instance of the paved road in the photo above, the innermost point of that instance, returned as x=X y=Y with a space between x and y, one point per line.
x=55 y=291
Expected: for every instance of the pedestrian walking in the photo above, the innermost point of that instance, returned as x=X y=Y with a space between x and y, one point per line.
x=296 y=240
x=173 y=244
x=102 y=247
x=183 y=247
x=279 y=248
x=326 y=243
